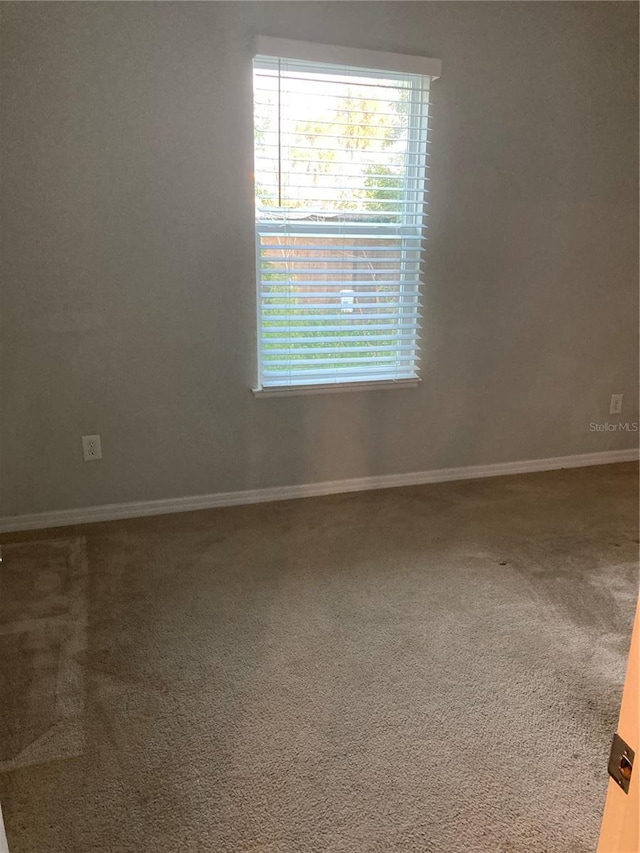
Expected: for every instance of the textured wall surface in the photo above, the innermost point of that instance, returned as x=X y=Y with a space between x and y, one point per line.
x=128 y=302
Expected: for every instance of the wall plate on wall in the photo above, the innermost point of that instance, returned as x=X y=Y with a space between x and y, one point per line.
x=91 y=448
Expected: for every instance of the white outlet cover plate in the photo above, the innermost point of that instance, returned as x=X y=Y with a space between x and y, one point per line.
x=616 y=404
x=91 y=448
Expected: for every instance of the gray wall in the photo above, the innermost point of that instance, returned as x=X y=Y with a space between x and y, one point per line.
x=128 y=274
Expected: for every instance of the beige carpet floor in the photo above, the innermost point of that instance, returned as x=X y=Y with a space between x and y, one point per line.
x=436 y=668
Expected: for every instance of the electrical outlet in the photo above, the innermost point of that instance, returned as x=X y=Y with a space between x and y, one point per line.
x=91 y=448
x=616 y=404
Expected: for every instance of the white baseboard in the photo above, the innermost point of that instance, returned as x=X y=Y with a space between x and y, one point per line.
x=135 y=509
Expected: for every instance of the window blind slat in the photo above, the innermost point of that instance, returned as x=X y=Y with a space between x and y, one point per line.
x=330 y=339
x=350 y=327
x=317 y=311
x=408 y=349
x=331 y=375
x=309 y=286
x=390 y=297
x=321 y=250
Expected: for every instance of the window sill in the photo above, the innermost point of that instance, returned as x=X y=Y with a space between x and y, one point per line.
x=337 y=388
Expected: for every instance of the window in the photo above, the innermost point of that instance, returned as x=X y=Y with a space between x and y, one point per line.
x=340 y=169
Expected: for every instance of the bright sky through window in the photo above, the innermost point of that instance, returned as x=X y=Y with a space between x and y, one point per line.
x=336 y=142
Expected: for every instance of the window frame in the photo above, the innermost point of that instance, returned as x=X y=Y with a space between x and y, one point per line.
x=412 y=227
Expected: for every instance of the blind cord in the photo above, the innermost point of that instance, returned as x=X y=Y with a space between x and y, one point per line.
x=279 y=134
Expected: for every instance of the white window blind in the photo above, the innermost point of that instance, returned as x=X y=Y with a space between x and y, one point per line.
x=340 y=174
